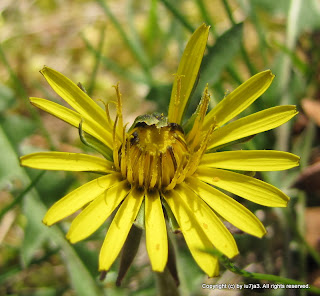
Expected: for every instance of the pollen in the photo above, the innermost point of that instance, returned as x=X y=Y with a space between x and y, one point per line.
x=152 y=156
x=156 y=153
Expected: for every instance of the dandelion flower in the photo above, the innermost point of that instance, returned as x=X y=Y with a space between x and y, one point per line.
x=166 y=166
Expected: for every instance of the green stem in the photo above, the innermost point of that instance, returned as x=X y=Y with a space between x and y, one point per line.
x=21 y=92
x=205 y=15
x=260 y=276
x=231 y=70
x=15 y=269
x=178 y=15
x=166 y=284
x=244 y=53
x=135 y=49
x=111 y=65
x=314 y=254
x=263 y=45
x=299 y=227
x=21 y=195
x=284 y=131
x=291 y=39
x=9 y=274
x=234 y=74
x=229 y=11
x=97 y=62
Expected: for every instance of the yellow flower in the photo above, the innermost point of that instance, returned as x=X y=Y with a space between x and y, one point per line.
x=170 y=166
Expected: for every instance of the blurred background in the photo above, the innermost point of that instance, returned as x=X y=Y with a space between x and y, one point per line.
x=139 y=44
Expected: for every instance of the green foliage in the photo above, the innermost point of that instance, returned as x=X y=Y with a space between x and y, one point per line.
x=139 y=44
x=7 y=97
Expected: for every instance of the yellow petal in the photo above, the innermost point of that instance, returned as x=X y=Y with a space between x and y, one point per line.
x=119 y=229
x=65 y=161
x=92 y=217
x=195 y=237
x=74 y=118
x=156 y=231
x=247 y=187
x=238 y=100
x=215 y=230
x=78 y=198
x=187 y=73
x=251 y=160
x=251 y=125
x=227 y=208
x=75 y=97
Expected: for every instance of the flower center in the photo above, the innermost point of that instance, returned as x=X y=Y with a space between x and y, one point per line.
x=152 y=155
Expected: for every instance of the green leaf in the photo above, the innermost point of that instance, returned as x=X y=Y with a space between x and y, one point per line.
x=36 y=233
x=90 y=258
x=219 y=56
x=296 y=60
x=160 y=94
x=176 y=11
x=272 y=7
x=18 y=127
x=131 y=43
x=111 y=65
x=308 y=15
x=154 y=37
x=9 y=164
x=9 y=273
x=7 y=97
x=80 y=277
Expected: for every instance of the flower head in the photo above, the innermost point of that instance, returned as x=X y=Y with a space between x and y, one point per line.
x=167 y=168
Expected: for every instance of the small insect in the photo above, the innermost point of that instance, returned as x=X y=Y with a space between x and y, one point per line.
x=156 y=118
